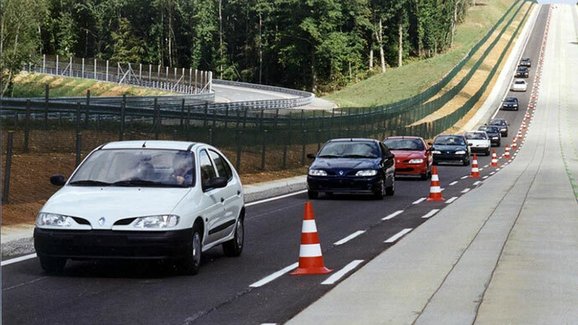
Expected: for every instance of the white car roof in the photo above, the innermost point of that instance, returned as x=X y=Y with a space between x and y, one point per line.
x=151 y=144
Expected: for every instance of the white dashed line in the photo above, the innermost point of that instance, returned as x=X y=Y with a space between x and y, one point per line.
x=485 y=176
x=453 y=183
x=275 y=198
x=348 y=238
x=341 y=273
x=393 y=215
x=465 y=190
x=464 y=177
x=492 y=173
x=451 y=200
x=477 y=183
x=431 y=213
x=398 y=235
x=419 y=201
x=18 y=259
x=273 y=276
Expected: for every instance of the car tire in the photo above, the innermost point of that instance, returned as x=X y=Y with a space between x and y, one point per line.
x=379 y=192
x=390 y=190
x=234 y=247
x=488 y=152
x=192 y=262
x=466 y=162
x=52 y=265
x=312 y=195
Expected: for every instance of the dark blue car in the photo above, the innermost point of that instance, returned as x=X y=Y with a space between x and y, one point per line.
x=356 y=165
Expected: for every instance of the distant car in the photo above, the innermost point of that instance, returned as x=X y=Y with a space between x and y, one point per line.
x=522 y=72
x=519 y=85
x=526 y=62
x=412 y=155
x=364 y=166
x=449 y=148
x=502 y=124
x=159 y=200
x=479 y=142
x=510 y=103
x=494 y=134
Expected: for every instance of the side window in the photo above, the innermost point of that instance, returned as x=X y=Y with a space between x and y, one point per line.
x=223 y=168
x=207 y=169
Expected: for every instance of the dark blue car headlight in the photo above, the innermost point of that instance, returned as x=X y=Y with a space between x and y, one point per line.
x=366 y=173
x=317 y=172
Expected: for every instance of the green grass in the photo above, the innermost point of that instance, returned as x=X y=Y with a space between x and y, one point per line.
x=399 y=83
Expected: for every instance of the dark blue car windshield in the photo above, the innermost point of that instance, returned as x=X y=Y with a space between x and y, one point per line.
x=349 y=149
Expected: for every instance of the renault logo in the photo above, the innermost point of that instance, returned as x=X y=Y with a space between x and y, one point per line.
x=101 y=221
x=340 y=173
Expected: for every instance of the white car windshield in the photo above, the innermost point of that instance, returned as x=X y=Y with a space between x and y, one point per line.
x=136 y=167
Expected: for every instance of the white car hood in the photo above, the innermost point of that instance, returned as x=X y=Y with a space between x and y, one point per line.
x=113 y=203
x=479 y=143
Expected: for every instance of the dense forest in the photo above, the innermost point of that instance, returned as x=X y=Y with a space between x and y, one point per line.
x=315 y=45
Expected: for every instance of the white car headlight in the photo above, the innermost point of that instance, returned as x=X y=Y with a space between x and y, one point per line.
x=365 y=173
x=54 y=220
x=317 y=172
x=416 y=161
x=156 y=222
x=460 y=152
x=436 y=152
x=495 y=138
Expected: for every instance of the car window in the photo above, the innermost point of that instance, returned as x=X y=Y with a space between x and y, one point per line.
x=404 y=144
x=207 y=168
x=449 y=140
x=223 y=168
x=349 y=149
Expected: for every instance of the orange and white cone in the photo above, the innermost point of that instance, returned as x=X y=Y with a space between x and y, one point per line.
x=435 y=191
x=507 y=152
x=310 y=257
x=494 y=162
x=475 y=171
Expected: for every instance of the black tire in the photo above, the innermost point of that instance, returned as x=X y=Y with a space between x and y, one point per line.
x=312 y=194
x=234 y=247
x=52 y=265
x=488 y=152
x=192 y=262
x=379 y=192
x=390 y=190
x=466 y=162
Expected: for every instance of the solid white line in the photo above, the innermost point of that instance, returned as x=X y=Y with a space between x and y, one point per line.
x=451 y=200
x=420 y=200
x=453 y=183
x=341 y=273
x=393 y=215
x=18 y=259
x=275 y=198
x=465 y=176
x=398 y=235
x=466 y=190
x=274 y=276
x=431 y=213
x=348 y=238
x=478 y=183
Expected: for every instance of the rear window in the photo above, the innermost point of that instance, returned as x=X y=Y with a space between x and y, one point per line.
x=404 y=144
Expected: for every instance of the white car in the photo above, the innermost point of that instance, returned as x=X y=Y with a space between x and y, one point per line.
x=519 y=85
x=161 y=200
x=479 y=141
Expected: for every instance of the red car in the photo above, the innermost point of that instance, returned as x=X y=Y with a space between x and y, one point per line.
x=412 y=155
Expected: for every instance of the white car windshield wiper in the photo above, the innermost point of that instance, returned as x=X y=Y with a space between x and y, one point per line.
x=143 y=182
x=89 y=182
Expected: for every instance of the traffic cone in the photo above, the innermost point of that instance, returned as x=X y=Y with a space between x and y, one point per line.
x=475 y=171
x=507 y=152
x=494 y=159
x=435 y=191
x=310 y=258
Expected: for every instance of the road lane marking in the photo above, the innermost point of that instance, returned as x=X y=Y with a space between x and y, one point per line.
x=398 y=235
x=466 y=190
x=451 y=200
x=348 y=238
x=274 y=276
x=275 y=198
x=393 y=215
x=431 y=213
x=485 y=176
x=477 y=183
x=453 y=183
x=419 y=201
x=341 y=273
x=492 y=173
x=486 y=166
x=465 y=176
x=18 y=259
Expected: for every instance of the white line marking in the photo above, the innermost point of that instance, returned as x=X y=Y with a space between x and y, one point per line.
x=18 y=259
x=486 y=166
x=431 y=213
x=341 y=273
x=393 y=215
x=477 y=182
x=453 y=183
x=274 y=276
x=420 y=200
x=465 y=176
x=485 y=176
x=492 y=173
x=348 y=238
x=275 y=198
x=466 y=190
x=451 y=200
x=398 y=235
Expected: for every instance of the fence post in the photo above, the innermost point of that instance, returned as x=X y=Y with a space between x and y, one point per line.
x=6 y=190
x=78 y=147
x=263 y=149
x=86 y=115
x=238 y=160
x=27 y=126
x=182 y=113
x=46 y=96
x=122 y=117
x=156 y=120
x=287 y=143
x=206 y=114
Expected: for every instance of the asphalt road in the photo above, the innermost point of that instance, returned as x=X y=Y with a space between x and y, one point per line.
x=239 y=290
